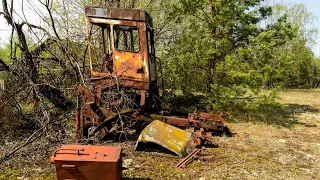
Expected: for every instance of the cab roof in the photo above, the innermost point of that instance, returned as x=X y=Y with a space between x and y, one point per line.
x=118 y=14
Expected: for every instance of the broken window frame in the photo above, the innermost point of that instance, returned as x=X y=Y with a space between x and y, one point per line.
x=104 y=31
x=130 y=47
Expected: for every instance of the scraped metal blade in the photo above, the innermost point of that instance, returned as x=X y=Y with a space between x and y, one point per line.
x=174 y=139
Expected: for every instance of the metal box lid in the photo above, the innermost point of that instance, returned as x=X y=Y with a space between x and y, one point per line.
x=87 y=153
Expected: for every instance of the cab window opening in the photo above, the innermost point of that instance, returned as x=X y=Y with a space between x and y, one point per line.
x=100 y=45
x=126 y=38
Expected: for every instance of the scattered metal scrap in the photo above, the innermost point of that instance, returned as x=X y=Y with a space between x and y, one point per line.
x=202 y=125
x=194 y=155
x=185 y=160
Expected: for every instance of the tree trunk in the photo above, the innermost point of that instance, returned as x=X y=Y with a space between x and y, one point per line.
x=212 y=60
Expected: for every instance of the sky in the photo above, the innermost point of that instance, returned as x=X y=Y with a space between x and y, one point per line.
x=312 y=5
x=31 y=17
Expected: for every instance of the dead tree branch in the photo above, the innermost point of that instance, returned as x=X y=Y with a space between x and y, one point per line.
x=47 y=6
x=27 y=141
x=34 y=26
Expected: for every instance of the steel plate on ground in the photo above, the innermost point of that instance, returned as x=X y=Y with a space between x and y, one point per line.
x=172 y=138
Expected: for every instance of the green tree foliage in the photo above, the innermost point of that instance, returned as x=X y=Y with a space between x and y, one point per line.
x=229 y=50
x=300 y=58
x=316 y=72
x=216 y=30
x=252 y=49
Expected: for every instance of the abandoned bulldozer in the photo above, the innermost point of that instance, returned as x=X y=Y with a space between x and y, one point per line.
x=122 y=91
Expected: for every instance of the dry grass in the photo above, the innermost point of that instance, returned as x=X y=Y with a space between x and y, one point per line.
x=257 y=150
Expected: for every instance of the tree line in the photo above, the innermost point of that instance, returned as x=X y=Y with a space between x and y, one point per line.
x=230 y=51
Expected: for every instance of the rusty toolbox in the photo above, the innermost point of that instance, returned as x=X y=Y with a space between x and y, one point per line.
x=82 y=162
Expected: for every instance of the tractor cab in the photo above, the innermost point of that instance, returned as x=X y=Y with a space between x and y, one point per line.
x=121 y=46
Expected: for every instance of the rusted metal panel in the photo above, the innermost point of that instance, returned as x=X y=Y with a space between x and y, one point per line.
x=122 y=82
x=130 y=66
x=118 y=13
x=87 y=162
x=170 y=137
x=86 y=93
x=135 y=84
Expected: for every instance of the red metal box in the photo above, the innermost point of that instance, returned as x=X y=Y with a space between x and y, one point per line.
x=86 y=162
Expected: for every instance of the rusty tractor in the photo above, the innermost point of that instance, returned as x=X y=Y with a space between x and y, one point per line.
x=122 y=90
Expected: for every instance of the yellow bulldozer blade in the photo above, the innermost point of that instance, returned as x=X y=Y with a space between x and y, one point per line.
x=174 y=139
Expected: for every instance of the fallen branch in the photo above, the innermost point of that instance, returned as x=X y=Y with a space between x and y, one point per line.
x=27 y=141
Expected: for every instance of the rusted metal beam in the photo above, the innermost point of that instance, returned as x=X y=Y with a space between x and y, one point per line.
x=195 y=154
x=188 y=158
x=210 y=121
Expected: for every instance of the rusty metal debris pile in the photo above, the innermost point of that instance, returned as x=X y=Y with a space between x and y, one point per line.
x=123 y=86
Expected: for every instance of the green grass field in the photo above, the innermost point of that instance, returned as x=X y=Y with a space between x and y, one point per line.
x=257 y=150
